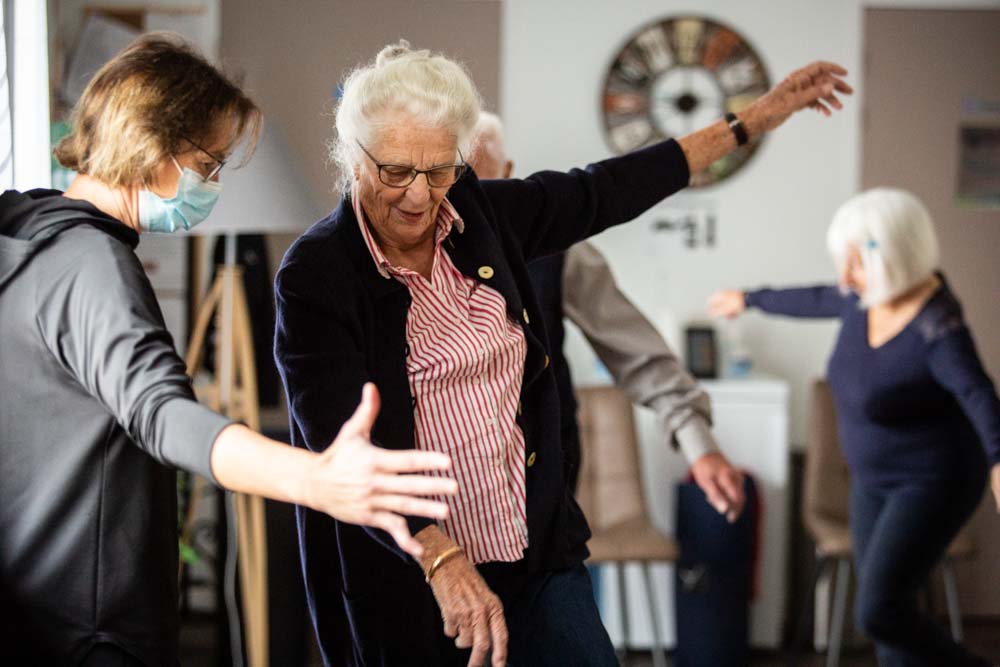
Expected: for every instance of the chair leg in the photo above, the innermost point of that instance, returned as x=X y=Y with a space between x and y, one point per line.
x=951 y=595
x=623 y=609
x=839 y=611
x=822 y=607
x=806 y=614
x=659 y=657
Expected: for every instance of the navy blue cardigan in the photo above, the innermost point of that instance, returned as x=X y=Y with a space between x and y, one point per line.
x=340 y=323
x=547 y=278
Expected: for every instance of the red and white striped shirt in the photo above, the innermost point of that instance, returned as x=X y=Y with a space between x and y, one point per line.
x=465 y=366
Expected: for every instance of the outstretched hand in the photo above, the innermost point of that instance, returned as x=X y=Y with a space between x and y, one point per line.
x=357 y=482
x=815 y=86
x=727 y=303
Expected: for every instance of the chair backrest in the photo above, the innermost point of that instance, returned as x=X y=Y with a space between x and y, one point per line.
x=826 y=483
x=610 y=481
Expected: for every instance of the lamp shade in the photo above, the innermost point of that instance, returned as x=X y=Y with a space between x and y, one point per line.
x=266 y=195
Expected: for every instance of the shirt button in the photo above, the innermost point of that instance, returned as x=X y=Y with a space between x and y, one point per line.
x=546 y=361
x=485 y=272
x=531 y=459
x=519 y=407
x=526 y=319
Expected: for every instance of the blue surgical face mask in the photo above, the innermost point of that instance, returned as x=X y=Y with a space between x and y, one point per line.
x=193 y=202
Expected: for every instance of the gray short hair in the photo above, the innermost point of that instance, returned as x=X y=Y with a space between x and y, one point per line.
x=488 y=137
x=895 y=236
x=431 y=88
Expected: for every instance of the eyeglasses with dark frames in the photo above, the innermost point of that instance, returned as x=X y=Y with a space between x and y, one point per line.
x=220 y=163
x=401 y=176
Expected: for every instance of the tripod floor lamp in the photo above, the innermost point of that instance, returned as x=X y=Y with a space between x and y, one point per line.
x=261 y=197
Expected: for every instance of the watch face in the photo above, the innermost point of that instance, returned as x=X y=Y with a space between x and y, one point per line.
x=676 y=76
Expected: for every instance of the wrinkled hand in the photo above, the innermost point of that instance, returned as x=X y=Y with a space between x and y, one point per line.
x=472 y=613
x=357 y=482
x=995 y=484
x=814 y=86
x=727 y=303
x=722 y=484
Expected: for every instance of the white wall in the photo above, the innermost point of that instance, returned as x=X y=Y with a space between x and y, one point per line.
x=29 y=95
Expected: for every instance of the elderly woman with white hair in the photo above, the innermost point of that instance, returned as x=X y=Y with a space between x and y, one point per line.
x=918 y=417
x=417 y=282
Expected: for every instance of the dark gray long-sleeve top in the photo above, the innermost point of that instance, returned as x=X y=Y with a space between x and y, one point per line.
x=96 y=410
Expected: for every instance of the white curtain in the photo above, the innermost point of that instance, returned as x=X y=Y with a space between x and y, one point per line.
x=6 y=139
x=29 y=97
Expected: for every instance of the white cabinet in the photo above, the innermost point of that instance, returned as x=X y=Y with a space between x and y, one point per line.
x=751 y=424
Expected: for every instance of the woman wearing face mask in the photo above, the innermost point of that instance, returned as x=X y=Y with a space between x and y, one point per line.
x=97 y=410
x=918 y=417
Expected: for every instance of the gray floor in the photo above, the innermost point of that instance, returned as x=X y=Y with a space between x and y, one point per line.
x=983 y=636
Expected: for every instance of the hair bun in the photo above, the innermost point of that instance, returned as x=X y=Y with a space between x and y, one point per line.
x=393 y=51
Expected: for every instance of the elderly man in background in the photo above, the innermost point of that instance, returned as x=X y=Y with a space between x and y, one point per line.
x=578 y=284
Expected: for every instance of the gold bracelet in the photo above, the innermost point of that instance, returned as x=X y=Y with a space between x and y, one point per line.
x=440 y=560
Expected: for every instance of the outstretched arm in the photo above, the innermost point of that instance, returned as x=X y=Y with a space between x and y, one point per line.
x=815 y=86
x=110 y=337
x=813 y=302
x=634 y=352
x=550 y=211
x=648 y=371
x=352 y=480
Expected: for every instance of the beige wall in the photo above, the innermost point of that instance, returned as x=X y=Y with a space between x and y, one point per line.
x=918 y=67
x=295 y=54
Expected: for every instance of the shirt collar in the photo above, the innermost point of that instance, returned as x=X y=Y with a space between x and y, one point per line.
x=447 y=218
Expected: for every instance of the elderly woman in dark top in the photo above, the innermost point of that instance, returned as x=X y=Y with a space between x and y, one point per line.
x=97 y=409
x=417 y=282
x=918 y=417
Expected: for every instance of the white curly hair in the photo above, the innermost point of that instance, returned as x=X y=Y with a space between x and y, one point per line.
x=433 y=90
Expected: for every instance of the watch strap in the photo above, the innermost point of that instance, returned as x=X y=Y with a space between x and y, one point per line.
x=736 y=125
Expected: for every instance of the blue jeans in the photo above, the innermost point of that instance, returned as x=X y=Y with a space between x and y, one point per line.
x=553 y=621
x=900 y=533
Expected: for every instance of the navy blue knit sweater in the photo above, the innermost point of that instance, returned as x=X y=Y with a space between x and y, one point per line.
x=920 y=407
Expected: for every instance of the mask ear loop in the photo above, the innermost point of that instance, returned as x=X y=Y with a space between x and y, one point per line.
x=145 y=184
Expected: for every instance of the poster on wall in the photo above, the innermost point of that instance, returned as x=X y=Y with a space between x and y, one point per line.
x=979 y=166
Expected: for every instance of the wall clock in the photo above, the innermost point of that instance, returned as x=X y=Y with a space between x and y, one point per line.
x=678 y=75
